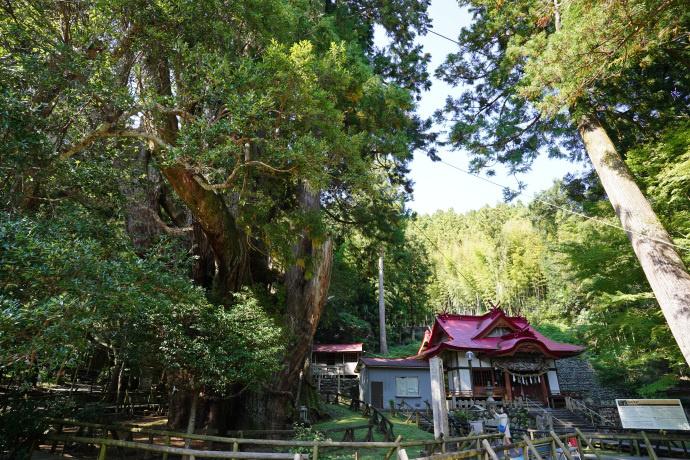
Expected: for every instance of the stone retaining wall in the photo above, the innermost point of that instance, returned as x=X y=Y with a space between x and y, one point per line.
x=576 y=375
x=347 y=385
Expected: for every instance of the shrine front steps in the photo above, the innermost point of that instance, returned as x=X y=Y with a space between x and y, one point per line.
x=565 y=420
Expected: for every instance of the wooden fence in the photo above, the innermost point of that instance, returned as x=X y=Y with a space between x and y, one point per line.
x=112 y=439
x=376 y=416
x=126 y=402
x=535 y=445
x=159 y=441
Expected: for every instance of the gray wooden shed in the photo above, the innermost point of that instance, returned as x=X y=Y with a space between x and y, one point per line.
x=383 y=379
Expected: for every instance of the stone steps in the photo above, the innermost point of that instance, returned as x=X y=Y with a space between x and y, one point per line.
x=565 y=420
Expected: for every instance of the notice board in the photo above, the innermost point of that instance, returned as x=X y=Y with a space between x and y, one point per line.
x=653 y=414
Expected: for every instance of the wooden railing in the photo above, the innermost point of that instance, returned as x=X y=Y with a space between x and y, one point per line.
x=480 y=446
x=124 y=402
x=595 y=418
x=376 y=417
x=349 y=435
x=99 y=438
x=413 y=414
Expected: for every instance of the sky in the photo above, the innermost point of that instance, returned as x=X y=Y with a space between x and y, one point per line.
x=439 y=186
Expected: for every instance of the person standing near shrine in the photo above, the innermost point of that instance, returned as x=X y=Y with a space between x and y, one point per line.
x=503 y=425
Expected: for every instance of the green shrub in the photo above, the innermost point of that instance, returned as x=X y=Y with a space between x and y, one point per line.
x=308 y=434
x=22 y=421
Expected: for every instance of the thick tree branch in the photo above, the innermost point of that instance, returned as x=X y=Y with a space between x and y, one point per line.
x=104 y=131
x=231 y=177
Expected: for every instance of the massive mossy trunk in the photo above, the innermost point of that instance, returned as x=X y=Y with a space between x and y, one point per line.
x=215 y=237
x=661 y=263
x=307 y=289
x=227 y=241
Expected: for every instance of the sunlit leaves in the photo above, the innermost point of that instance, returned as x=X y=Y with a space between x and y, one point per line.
x=71 y=286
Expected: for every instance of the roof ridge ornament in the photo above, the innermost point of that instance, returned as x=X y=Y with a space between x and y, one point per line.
x=523 y=332
x=443 y=316
x=495 y=309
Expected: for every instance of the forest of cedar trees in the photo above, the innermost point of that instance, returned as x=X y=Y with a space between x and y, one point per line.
x=199 y=189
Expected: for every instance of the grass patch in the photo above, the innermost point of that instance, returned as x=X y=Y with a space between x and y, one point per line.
x=343 y=417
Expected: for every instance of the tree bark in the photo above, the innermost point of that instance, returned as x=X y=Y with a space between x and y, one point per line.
x=214 y=219
x=382 y=307
x=228 y=242
x=144 y=189
x=662 y=265
x=306 y=296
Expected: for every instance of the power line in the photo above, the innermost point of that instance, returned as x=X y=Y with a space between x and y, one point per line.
x=433 y=243
x=668 y=243
x=443 y=36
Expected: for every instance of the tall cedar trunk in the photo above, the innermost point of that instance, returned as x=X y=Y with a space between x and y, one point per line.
x=382 y=307
x=304 y=304
x=222 y=235
x=204 y=265
x=663 y=267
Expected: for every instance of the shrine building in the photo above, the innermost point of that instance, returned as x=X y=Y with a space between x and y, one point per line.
x=495 y=353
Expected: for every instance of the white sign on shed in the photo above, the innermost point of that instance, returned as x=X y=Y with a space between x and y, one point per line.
x=653 y=414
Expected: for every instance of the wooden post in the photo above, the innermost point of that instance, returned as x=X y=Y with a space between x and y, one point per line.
x=167 y=444
x=55 y=443
x=589 y=444
x=544 y=390
x=530 y=447
x=102 y=453
x=650 y=447
x=148 y=454
x=562 y=446
x=438 y=398
x=489 y=451
x=235 y=448
x=32 y=448
x=315 y=452
x=509 y=388
x=392 y=449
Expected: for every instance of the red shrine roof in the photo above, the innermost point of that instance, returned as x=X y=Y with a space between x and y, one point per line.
x=492 y=334
x=389 y=362
x=338 y=348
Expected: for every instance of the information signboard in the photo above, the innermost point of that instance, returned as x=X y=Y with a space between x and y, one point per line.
x=652 y=414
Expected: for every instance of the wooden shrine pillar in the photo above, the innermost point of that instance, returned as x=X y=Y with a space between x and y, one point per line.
x=544 y=390
x=509 y=388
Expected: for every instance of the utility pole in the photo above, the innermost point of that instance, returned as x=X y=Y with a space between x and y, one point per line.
x=382 y=306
